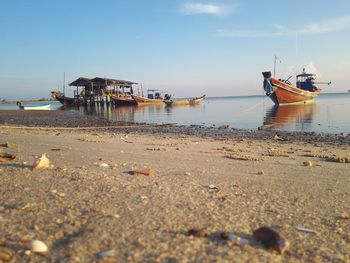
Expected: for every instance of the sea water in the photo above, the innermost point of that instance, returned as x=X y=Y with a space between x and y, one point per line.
x=330 y=113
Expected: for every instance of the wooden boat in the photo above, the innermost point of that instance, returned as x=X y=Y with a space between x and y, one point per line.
x=123 y=100
x=282 y=92
x=192 y=101
x=153 y=97
x=66 y=101
x=36 y=107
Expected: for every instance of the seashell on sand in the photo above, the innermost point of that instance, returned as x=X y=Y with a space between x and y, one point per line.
x=6 y=254
x=42 y=163
x=104 y=165
x=39 y=247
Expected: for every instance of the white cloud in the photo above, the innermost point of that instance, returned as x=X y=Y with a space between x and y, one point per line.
x=321 y=27
x=205 y=8
x=326 y=26
x=238 y=33
x=311 y=68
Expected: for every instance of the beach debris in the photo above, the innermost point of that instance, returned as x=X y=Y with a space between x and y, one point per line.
x=213 y=188
x=261 y=172
x=115 y=166
x=278 y=138
x=155 y=149
x=8 y=145
x=39 y=247
x=196 y=232
x=56 y=149
x=265 y=127
x=306 y=230
x=344 y=216
x=91 y=138
x=276 y=153
x=271 y=239
x=329 y=157
x=105 y=165
x=223 y=127
x=233 y=237
x=7 y=157
x=6 y=254
x=107 y=253
x=187 y=173
x=42 y=163
x=242 y=157
x=339 y=159
x=147 y=172
x=308 y=163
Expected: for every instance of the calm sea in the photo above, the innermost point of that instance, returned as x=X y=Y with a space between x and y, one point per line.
x=330 y=113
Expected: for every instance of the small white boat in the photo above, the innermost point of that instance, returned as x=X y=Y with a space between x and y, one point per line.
x=36 y=107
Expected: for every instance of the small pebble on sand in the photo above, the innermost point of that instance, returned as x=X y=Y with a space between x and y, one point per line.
x=307 y=163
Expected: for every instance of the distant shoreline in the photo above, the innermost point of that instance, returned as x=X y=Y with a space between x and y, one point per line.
x=26 y=101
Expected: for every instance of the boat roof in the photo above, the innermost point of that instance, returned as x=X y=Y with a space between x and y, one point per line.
x=153 y=90
x=306 y=75
x=82 y=81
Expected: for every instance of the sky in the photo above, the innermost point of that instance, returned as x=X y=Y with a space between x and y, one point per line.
x=185 y=48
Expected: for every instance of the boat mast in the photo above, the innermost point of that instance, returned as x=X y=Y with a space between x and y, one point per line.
x=64 y=83
x=296 y=58
x=274 y=66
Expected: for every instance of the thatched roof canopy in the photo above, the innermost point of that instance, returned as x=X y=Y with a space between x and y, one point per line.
x=80 y=82
x=83 y=82
x=103 y=81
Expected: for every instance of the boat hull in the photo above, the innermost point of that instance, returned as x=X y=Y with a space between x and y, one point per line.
x=146 y=101
x=66 y=101
x=284 y=93
x=193 y=101
x=39 y=107
x=123 y=100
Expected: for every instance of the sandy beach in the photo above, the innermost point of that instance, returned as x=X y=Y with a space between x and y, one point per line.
x=205 y=184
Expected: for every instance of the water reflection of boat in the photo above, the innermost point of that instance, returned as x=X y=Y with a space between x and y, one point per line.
x=287 y=115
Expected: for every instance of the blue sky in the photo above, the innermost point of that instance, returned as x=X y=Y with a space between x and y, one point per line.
x=185 y=48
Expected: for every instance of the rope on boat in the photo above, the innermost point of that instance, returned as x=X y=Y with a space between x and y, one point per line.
x=257 y=104
x=85 y=128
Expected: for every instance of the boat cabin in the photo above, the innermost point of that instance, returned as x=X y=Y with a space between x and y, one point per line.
x=154 y=94
x=306 y=81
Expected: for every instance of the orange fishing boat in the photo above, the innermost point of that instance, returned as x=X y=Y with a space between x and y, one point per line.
x=283 y=92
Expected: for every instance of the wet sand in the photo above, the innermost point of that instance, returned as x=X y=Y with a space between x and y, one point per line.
x=81 y=209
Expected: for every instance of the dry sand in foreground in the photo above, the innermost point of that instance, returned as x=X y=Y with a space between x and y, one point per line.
x=86 y=213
